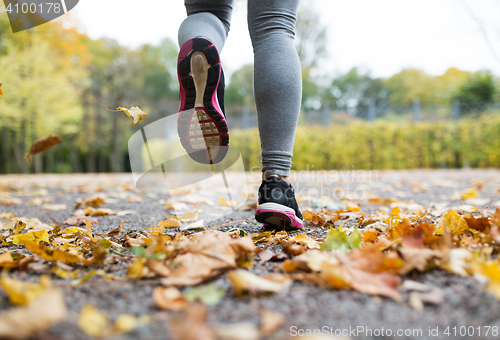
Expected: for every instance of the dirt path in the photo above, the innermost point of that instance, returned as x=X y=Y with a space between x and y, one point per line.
x=306 y=306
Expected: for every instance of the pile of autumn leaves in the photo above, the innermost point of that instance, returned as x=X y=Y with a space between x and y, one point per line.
x=370 y=256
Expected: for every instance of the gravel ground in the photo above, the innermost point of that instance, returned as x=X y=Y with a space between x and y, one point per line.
x=305 y=306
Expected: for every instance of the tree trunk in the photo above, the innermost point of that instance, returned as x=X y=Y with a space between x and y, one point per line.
x=75 y=159
x=5 y=150
x=37 y=159
x=21 y=164
x=116 y=161
x=24 y=165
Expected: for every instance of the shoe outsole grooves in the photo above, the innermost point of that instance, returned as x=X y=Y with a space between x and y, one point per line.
x=201 y=124
x=279 y=220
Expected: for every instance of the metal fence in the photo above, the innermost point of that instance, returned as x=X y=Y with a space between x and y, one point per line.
x=245 y=118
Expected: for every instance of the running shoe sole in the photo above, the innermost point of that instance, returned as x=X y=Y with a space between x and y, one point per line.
x=277 y=216
x=201 y=125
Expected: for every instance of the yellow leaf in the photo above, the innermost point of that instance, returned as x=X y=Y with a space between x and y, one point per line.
x=26 y=322
x=137 y=269
x=63 y=274
x=492 y=271
x=32 y=237
x=7 y=215
x=472 y=193
x=1 y=92
x=306 y=240
x=97 y=324
x=224 y=202
x=134 y=112
x=53 y=254
x=169 y=223
x=125 y=323
x=453 y=221
x=92 y=322
x=189 y=216
x=20 y=292
x=89 y=231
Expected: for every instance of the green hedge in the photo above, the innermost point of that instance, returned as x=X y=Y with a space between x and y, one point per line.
x=387 y=145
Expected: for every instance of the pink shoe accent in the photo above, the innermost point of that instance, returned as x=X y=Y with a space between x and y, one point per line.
x=276 y=218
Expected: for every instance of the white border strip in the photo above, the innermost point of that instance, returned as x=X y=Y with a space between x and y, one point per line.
x=64 y=6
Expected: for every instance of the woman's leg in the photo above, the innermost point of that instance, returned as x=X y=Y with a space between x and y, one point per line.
x=278 y=93
x=277 y=80
x=209 y=19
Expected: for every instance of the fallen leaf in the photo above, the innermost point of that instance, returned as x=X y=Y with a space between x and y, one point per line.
x=421 y=293
x=7 y=215
x=169 y=223
x=244 y=281
x=92 y=322
x=481 y=223
x=207 y=294
x=237 y=331
x=26 y=321
x=31 y=237
x=458 y=261
x=53 y=254
x=8 y=201
x=194 y=226
x=169 y=298
x=190 y=216
x=115 y=232
x=192 y=324
x=92 y=201
x=78 y=220
x=54 y=207
x=269 y=255
x=205 y=256
x=9 y=260
x=472 y=193
x=270 y=321
x=453 y=221
x=417 y=257
x=305 y=240
x=336 y=239
x=21 y=292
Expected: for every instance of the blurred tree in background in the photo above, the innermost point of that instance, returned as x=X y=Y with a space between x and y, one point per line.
x=57 y=80
x=476 y=91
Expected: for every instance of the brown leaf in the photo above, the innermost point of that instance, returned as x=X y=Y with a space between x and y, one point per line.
x=9 y=260
x=192 y=324
x=417 y=257
x=244 y=281
x=293 y=249
x=78 y=220
x=92 y=201
x=481 y=224
x=169 y=298
x=269 y=255
x=43 y=144
x=114 y=232
x=206 y=256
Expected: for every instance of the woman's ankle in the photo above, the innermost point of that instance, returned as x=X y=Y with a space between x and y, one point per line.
x=285 y=178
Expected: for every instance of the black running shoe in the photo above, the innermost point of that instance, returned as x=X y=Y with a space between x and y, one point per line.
x=277 y=207
x=201 y=122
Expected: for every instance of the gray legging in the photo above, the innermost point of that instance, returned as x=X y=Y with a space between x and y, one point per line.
x=277 y=72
